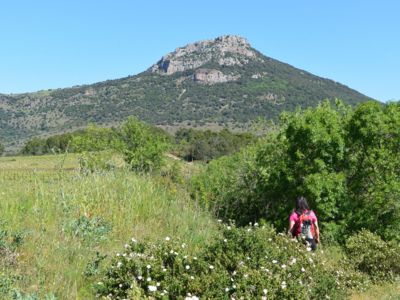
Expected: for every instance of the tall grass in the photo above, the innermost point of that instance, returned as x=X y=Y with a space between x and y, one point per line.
x=45 y=207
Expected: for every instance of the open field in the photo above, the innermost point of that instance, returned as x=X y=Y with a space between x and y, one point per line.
x=58 y=226
x=62 y=219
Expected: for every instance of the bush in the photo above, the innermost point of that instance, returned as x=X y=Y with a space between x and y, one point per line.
x=373 y=256
x=243 y=263
x=143 y=148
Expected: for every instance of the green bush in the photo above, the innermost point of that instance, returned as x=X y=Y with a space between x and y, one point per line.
x=143 y=148
x=373 y=256
x=243 y=263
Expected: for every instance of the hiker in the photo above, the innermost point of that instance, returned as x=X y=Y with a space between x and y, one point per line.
x=303 y=223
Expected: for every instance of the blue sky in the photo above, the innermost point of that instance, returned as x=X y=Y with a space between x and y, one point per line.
x=60 y=43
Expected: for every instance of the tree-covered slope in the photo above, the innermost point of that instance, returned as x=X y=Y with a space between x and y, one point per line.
x=222 y=81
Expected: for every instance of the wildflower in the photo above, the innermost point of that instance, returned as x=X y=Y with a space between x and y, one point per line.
x=126 y=246
x=120 y=285
x=148 y=267
x=265 y=291
x=148 y=279
x=302 y=269
x=167 y=238
x=183 y=245
x=133 y=240
x=283 y=266
x=269 y=240
x=187 y=267
x=185 y=257
x=308 y=249
x=263 y=298
x=211 y=267
x=225 y=240
x=293 y=261
x=283 y=285
x=219 y=221
x=119 y=264
x=234 y=286
x=195 y=258
x=139 y=277
x=158 y=284
x=226 y=289
x=274 y=261
x=245 y=275
x=152 y=288
x=256 y=224
x=310 y=259
x=164 y=270
x=118 y=254
x=192 y=277
x=228 y=227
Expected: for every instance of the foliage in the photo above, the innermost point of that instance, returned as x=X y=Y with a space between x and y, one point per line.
x=1 y=149
x=370 y=254
x=345 y=162
x=208 y=145
x=142 y=148
x=243 y=263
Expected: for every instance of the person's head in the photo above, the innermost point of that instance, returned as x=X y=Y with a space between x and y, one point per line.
x=301 y=204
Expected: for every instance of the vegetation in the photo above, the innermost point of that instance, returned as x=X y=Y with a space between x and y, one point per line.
x=1 y=149
x=208 y=145
x=122 y=219
x=266 y=88
x=344 y=161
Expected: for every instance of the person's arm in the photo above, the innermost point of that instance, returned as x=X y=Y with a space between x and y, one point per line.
x=291 y=225
x=316 y=232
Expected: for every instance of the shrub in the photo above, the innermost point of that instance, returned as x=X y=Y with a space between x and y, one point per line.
x=243 y=263
x=143 y=148
x=373 y=256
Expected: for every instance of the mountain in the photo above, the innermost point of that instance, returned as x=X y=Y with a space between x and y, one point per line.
x=219 y=82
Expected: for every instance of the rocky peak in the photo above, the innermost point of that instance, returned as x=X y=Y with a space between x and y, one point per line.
x=226 y=50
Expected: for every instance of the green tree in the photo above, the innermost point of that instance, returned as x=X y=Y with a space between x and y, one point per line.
x=143 y=148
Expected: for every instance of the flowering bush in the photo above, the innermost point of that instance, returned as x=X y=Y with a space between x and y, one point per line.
x=372 y=255
x=243 y=263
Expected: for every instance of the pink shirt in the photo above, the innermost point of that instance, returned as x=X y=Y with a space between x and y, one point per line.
x=295 y=217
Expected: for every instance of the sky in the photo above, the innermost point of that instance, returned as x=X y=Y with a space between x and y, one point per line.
x=61 y=43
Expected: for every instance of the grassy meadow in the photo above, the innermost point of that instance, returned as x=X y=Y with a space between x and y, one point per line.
x=60 y=219
x=59 y=227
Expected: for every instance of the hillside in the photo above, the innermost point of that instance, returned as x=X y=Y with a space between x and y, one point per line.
x=220 y=82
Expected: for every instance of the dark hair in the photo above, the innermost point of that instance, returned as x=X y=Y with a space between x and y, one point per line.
x=301 y=205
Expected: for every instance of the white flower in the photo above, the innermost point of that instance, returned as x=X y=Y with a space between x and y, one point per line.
x=263 y=298
x=211 y=267
x=164 y=270
x=265 y=291
x=158 y=284
x=118 y=254
x=167 y=238
x=269 y=240
x=283 y=266
x=283 y=285
x=183 y=245
x=225 y=240
x=219 y=221
x=226 y=289
x=234 y=286
x=187 y=267
x=302 y=269
x=119 y=264
x=310 y=259
x=192 y=277
x=152 y=288
x=274 y=261
x=293 y=261
x=148 y=279
x=139 y=277
x=185 y=257
x=255 y=224
x=245 y=275
x=308 y=249
x=133 y=240
x=228 y=227
x=195 y=258
x=126 y=246
x=148 y=267
x=120 y=285
x=248 y=229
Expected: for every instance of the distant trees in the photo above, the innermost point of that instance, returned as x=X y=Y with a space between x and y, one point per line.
x=1 y=149
x=207 y=145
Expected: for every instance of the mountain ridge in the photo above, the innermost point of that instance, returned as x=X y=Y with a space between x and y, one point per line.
x=219 y=82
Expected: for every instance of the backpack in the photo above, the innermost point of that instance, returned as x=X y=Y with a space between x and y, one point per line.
x=305 y=226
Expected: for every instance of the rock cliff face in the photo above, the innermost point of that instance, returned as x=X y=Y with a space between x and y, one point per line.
x=211 y=76
x=228 y=50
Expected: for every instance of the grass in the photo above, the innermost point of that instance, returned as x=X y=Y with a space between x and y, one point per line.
x=46 y=206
